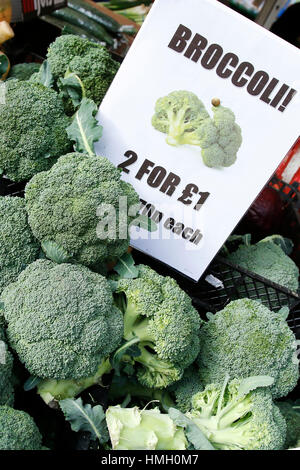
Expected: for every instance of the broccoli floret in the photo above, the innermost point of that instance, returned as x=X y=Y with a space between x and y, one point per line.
x=233 y=420
x=245 y=339
x=18 y=431
x=135 y=429
x=24 y=71
x=6 y=370
x=32 y=129
x=179 y=115
x=91 y=62
x=188 y=386
x=292 y=417
x=63 y=204
x=18 y=248
x=267 y=259
x=160 y=319
x=61 y=320
x=220 y=138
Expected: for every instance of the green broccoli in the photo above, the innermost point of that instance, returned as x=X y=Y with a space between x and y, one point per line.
x=235 y=417
x=18 y=248
x=292 y=417
x=159 y=318
x=179 y=115
x=32 y=129
x=24 y=71
x=188 y=386
x=269 y=260
x=244 y=339
x=90 y=62
x=220 y=138
x=6 y=370
x=62 y=323
x=63 y=205
x=183 y=117
x=135 y=429
x=18 y=431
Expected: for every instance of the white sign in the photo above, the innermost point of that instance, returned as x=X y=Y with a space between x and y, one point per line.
x=198 y=167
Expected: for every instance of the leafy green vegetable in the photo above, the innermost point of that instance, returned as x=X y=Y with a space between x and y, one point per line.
x=85 y=129
x=126 y=267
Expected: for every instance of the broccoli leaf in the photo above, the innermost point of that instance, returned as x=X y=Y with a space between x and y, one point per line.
x=85 y=129
x=194 y=435
x=130 y=348
x=45 y=75
x=252 y=383
x=126 y=267
x=55 y=252
x=85 y=418
x=72 y=87
x=4 y=64
x=31 y=383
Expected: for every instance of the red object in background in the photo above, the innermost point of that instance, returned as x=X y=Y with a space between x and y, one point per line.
x=282 y=170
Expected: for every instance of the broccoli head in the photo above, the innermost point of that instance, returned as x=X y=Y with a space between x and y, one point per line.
x=246 y=339
x=63 y=205
x=6 y=371
x=90 y=62
x=160 y=319
x=220 y=138
x=135 y=429
x=179 y=115
x=234 y=418
x=61 y=320
x=292 y=416
x=188 y=386
x=24 y=71
x=18 y=431
x=32 y=129
x=18 y=248
x=268 y=259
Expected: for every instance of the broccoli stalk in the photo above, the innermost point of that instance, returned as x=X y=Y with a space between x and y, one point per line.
x=52 y=391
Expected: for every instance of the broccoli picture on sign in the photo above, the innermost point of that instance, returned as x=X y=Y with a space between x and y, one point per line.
x=202 y=111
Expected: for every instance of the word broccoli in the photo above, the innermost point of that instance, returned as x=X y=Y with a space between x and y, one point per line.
x=183 y=117
x=159 y=318
x=62 y=205
x=246 y=338
x=18 y=248
x=61 y=322
x=32 y=129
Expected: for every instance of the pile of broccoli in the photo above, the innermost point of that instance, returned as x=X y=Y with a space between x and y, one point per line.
x=24 y=71
x=183 y=117
x=71 y=329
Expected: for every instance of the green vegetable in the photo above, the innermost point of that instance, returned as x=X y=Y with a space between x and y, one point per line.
x=269 y=260
x=71 y=56
x=160 y=320
x=85 y=418
x=292 y=417
x=82 y=21
x=85 y=130
x=63 y=207
x=135 y=429
x=18 y=248
x=6 y=371
x=18 y=431
x=32 y=129
x=94 y=14
x=61 y=322
x=244 y=339
x=188 y=386
x=239 y=415
x=24 y=71
x=183 y=117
